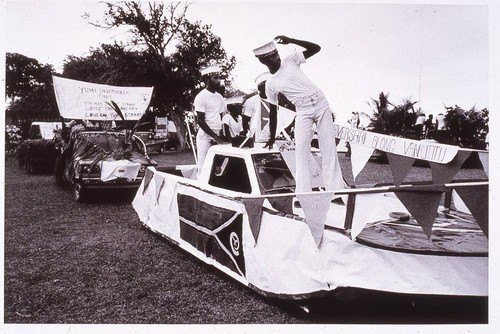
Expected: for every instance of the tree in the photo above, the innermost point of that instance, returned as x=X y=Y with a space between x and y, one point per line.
x=397 y=121
x=467 y=128
x=402 y=118
x=111 y=64
x=380 y=109
x=24 y=74
x=28 y=85
x=156 y=28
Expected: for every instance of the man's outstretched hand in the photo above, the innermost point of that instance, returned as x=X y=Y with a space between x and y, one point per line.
x=282 y=39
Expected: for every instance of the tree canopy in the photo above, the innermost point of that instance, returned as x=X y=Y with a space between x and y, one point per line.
x=463 y=128
x=467 y=128
x=28 y=84
x=166 y=51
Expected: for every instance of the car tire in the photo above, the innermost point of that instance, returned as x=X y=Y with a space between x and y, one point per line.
x=30 y=167
x=79 y=192
x=59 y=170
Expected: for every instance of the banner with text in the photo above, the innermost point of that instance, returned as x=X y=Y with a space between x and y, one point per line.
x=430 y=151
x=84 y=100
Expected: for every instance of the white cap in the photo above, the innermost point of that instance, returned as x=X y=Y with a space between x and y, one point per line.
x=265 y=50
x=262 y=77
x=210 y=69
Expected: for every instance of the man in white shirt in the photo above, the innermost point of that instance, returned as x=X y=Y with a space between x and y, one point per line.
x=209 y=105
x=440 y=127
x=311 y=106
x=419 y=126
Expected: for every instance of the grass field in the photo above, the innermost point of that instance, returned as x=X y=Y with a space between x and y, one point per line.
x=94 y=263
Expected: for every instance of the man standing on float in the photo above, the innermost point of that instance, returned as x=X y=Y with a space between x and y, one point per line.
x=209 y=105
x=311 y=107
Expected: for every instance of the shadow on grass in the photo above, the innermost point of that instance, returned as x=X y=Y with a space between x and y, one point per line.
x=357 y=306
x=110 y=196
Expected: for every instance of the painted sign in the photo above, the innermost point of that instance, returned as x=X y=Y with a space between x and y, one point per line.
x=424 y=150
x=84 y=100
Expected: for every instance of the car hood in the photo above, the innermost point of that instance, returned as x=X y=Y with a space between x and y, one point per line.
x=136 y=157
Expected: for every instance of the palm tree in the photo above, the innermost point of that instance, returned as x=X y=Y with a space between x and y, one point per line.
x=380 y=108
x=397 y=121
x=467 y=128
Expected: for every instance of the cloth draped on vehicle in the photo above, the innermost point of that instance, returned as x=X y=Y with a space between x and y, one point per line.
x=107 y=149
x=285 y=261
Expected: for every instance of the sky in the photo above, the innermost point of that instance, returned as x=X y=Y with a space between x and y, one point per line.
x=436 y=54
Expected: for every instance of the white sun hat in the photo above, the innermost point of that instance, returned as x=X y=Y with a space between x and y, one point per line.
x=210 y=69
x=265 y=50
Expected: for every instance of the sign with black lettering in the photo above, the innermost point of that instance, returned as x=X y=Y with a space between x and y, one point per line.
x=84 y=100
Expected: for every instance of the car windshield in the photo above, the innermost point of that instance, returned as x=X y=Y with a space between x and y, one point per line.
x=273 y=173
x=108 y=141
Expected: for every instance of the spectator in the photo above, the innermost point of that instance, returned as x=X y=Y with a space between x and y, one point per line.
x=430 y=128
x=419 y=126
x=441 y=128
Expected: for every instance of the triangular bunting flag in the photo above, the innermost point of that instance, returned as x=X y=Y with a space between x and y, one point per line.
x=253 y=207
x=367 y=208
x=483 y=156
x=169 y=188
x=148 y=175
x=285 y=117
x=422 y=205
x=400 y=166
x=316 y=175
x=158 y=183
x=476 y=200
x=189 y=173
x=282 y=204
x=264 y=114
x=359 y=157
x=288 y=153
x=444 y=173
x=316 y=207
x=459 y=203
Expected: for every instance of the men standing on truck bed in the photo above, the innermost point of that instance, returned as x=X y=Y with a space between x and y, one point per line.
x=209 y=105
x=311 y=106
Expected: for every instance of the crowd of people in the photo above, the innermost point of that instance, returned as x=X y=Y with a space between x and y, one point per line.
x=430 y=128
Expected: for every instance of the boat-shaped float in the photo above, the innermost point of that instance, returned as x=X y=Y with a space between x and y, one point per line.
x=242 y=216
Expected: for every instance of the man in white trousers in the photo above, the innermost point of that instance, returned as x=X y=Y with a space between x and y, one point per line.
x=209 y=105
x=311 y=107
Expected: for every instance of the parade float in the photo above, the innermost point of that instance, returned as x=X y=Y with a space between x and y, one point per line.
x=241 y=215
x=93 y=157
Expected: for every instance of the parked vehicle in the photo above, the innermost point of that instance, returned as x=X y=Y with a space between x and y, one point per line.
x=38 y=153
x=241 y=214
x=102 y=160
x=153 y=144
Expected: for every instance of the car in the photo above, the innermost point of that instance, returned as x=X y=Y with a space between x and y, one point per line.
x=92 y=160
